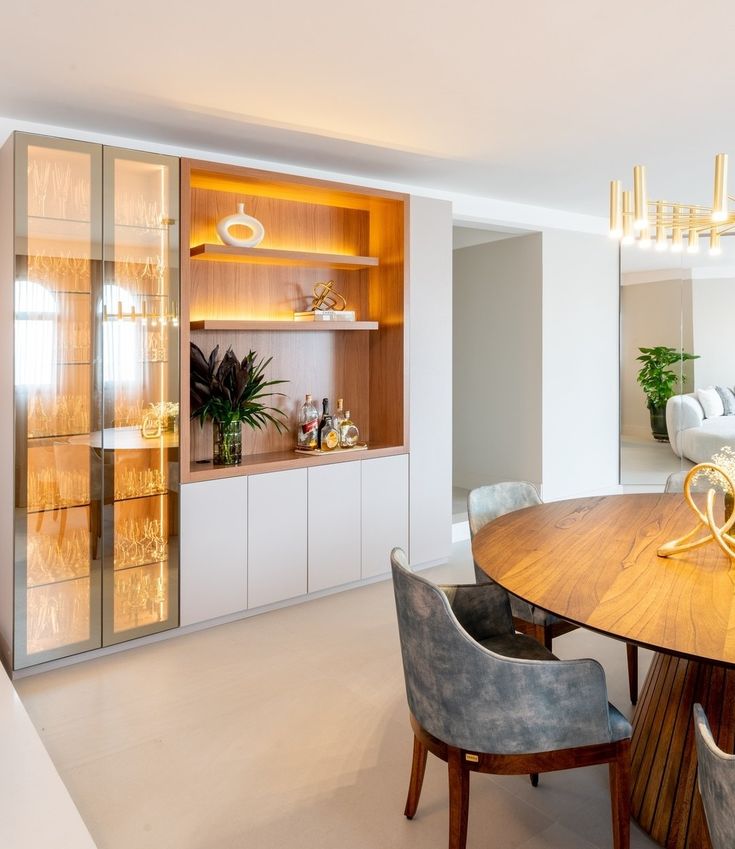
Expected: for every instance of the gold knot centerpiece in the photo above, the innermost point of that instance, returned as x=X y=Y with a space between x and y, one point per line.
x=707 y=529
x=325 y=298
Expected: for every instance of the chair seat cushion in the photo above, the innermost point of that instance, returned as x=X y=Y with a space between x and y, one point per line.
x=518 y=645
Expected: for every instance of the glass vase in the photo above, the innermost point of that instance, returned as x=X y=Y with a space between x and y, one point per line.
x=227 y=439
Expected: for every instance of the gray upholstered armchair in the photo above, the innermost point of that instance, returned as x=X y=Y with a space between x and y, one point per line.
x=716 y=778
x=487 y=503
x=485 y=699
x=675 y=482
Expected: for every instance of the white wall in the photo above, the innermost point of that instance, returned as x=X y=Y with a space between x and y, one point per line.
x=497 y=362
x=657 y=312
x=580 y=365
x=430 y=382
x=712 y=331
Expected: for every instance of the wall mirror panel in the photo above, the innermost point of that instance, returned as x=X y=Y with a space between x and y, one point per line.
x=681 y=301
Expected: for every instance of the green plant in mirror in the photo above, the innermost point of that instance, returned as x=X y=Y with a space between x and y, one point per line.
x=230 y=392
x=659 y=381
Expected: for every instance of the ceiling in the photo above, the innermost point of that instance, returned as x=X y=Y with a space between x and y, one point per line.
x=535 y=102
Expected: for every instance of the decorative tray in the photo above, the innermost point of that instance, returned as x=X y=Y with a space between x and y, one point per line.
x=361 y=447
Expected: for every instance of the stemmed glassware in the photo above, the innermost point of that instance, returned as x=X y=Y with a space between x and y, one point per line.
x=139 y=596
x=136 y=483
x=139 y=542
x=39 y=174
x=58 y=415
x=49 y=489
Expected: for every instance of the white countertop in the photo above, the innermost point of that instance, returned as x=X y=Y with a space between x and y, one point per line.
x=36 y=809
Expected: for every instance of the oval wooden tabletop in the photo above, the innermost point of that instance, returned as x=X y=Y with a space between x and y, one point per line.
x=593 y=561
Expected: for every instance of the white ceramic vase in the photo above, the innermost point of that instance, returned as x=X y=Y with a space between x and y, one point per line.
x=223 y=229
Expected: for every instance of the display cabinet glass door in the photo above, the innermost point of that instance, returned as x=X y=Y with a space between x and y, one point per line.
x=140 y=330
x=57 y=410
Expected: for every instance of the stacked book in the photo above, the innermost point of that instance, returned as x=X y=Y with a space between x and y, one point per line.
x=325 y=315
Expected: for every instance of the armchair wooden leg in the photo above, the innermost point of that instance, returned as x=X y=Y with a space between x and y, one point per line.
x=540 y=633
x=459 y=799
x=418 y=767
x=534 y=779
x=620 y=796
x=632 y=652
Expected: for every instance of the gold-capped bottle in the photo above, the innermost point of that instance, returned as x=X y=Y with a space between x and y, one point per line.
x=339 y=416
x=348 y=432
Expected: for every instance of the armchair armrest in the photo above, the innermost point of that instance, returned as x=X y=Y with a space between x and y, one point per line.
x=513 y=706
x=483 y=610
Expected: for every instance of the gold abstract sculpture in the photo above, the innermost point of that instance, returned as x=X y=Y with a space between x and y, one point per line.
x=706 y=530
x=325 y=298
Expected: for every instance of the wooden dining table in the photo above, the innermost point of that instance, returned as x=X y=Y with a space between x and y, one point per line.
x=593 y=561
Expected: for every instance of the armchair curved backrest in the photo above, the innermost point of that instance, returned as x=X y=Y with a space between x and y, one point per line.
x=489 y=502
x=471 y=698
x=675 y=482
x=716 y=777
x=486 y=503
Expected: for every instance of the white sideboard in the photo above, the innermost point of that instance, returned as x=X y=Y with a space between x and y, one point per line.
x=335 y=525
x=254 y=541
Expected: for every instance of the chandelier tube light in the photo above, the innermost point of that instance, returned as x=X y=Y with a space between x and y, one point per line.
x=676 y=243
x=616 y=213
x=640 y=202
x=692 y=235
x=638 y=219
x=628 y=237
x=719 y=205
x=661 y=238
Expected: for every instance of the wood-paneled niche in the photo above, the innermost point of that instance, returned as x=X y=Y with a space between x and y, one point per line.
x=246 y=298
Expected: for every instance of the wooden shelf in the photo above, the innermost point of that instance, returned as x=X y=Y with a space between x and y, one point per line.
x=275 y=461
x=299 y=326
x=269 y=256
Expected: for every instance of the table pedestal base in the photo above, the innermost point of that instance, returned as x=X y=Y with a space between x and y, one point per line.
x=665 y=800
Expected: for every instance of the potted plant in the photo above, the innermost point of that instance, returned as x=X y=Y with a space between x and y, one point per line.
x=229 y=393
x=658 y=381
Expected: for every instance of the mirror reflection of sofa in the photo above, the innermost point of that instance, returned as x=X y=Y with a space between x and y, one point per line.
x=700 y=423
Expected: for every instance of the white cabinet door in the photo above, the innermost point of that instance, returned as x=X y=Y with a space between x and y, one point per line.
x=213 y=541
x=277 y=536
x=334 y=525
x=384 y=512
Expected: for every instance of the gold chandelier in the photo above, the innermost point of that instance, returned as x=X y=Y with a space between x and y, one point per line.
x=634 y=218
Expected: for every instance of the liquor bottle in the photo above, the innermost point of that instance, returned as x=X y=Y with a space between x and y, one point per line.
x=308 y=425
x=325 y=414
x=348 y=432
x=339 y=416
x=328 y=438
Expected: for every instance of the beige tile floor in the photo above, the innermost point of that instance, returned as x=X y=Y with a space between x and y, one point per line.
x=289 y=729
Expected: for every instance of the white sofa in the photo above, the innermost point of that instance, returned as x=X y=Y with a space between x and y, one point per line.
x=693 y=436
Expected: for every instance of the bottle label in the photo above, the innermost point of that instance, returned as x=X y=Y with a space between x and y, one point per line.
x=307 y=427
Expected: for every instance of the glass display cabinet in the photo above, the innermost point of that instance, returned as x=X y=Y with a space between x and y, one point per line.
x=96 y=378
